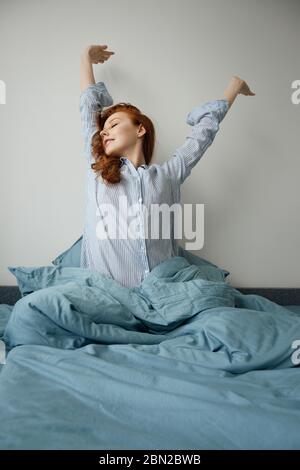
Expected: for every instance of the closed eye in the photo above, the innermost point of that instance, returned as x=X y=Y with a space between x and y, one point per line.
x=115 y=124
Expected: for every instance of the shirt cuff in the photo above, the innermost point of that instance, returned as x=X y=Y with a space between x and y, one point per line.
x=98 y=92
x=218 y=108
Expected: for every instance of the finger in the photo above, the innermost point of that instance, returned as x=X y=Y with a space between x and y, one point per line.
x=103 y=57
x=106 y=53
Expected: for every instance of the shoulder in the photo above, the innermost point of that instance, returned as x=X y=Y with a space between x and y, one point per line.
x=159 y=172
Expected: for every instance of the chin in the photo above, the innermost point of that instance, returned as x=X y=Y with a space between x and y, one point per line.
x=114 y=152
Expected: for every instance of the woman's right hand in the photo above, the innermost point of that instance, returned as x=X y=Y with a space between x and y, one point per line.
x=98 y=53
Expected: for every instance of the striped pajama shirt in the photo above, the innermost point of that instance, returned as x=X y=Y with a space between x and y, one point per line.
x=129 y=260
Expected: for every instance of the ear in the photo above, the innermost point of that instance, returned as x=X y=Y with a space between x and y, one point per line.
x=141 y=130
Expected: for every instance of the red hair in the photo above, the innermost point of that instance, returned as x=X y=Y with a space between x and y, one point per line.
x=109 y=166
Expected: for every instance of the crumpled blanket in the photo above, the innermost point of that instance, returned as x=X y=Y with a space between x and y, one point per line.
x=173 y=313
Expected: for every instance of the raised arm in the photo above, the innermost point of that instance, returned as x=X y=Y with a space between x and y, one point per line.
x=93 y=54
x=205 y=121
x=93 y=96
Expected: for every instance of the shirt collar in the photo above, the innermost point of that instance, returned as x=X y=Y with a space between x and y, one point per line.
x=125 y=161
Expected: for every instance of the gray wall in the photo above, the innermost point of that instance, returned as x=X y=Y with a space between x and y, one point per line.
x=169 y=57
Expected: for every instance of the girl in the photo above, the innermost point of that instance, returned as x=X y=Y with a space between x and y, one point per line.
x=118 y=144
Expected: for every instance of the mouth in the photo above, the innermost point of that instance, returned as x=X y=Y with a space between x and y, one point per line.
x=108 y=142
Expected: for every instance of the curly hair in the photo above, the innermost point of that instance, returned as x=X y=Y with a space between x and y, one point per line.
x=109 y=166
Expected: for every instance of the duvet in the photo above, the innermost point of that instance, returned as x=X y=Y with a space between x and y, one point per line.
x=179 y=362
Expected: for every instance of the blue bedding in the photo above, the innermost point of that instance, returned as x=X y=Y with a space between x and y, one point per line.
x=179 y=362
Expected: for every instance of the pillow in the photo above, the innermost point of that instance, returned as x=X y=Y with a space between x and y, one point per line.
x=26 y=277
x=34 y=278
x=210 y=268
x=71 y=258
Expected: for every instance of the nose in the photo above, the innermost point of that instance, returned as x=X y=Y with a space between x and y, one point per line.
x=103 y=133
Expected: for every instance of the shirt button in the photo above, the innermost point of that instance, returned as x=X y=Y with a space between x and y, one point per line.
x=146 y=271
x=140 y=199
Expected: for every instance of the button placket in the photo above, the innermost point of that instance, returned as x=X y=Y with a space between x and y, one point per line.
x=143 y=247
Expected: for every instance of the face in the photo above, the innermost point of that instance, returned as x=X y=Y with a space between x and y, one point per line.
x=119 y=134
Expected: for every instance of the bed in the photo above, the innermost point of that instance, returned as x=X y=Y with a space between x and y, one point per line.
x=183 y=361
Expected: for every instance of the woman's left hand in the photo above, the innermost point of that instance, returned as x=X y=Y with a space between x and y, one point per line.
x=243 y=87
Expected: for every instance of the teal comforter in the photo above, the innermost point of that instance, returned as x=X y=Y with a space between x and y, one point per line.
x=178 y=362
